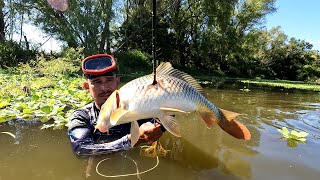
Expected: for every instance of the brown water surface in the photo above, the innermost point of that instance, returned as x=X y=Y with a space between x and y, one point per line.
x=200 y=153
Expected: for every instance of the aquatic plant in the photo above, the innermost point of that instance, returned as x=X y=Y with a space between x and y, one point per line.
x=293 y=135
x=51 y=100
x=284 y=84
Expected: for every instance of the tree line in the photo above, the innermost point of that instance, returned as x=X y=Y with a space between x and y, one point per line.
x=221 y=38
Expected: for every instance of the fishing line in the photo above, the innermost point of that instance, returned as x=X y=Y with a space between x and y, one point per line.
x=129 y=174
x=154 y=26
x=9 y=133
x=138 y=29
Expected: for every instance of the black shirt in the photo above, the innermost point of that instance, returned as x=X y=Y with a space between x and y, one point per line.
x=86 y=140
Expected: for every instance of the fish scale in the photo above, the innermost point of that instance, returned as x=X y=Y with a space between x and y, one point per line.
x=170 y=89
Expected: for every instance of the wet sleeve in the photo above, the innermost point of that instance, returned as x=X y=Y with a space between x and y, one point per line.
x=80 y=133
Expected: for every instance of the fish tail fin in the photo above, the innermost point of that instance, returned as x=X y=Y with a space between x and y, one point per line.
x=232 y=126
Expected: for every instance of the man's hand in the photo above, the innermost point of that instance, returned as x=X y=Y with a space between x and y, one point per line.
x=149 y=133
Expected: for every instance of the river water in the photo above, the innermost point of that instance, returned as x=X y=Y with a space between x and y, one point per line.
x=200 y=153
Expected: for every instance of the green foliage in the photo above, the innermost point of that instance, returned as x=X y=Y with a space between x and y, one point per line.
x=136 y=31
x=56 y=67
x=284 y=84
x=55 y=102
x=85 y=24
x=204 y=37
x=11 y=54
x=133 y=61
x=47 y=68
x=43 y=89
x=74 y=55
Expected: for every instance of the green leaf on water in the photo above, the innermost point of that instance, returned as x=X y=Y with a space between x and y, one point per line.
x=35 y=98
x=19 y=98
x=302 y=139
x=284 y=131
x=4 y=102
x=27 y=111
x=4 y=118
x=26 y=117
x=46 y=109
x=20 y=106
x=302 y=134
x=293 y=135
x=47 y=126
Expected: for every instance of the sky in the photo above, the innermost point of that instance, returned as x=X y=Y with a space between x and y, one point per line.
x=298 y=18
x=37 y=37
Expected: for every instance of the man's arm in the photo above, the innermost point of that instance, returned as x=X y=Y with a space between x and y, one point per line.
x=81 y=132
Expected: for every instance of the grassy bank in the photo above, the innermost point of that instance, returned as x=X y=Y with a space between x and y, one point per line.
x=261 y=83
x=284 y=84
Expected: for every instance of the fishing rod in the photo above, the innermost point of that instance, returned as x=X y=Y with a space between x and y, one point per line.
x=154 y=26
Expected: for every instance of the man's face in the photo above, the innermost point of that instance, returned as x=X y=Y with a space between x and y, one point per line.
x=102 y=87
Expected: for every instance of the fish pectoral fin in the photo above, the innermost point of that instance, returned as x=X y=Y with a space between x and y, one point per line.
x=116 y=115
x=165 y=109
x=171 y=125
x=208 y=118
x=229 y=114
x=134 y=131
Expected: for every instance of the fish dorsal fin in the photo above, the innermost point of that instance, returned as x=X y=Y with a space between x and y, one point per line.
x=165 y=68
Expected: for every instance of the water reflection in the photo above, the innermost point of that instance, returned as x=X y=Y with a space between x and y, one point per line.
x=292 y=110
x=211 y=150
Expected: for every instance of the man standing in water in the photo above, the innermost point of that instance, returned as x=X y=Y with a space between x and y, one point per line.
x=100 y=72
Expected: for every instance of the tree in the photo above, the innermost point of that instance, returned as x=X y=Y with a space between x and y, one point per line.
x=229 y=25
x=136 y=30
x=2 y=34
x=85 y=24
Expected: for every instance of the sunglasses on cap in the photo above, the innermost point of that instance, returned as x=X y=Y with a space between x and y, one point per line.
x=99 y=64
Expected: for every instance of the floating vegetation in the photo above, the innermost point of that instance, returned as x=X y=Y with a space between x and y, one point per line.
x=293 y=137
x=245 y=89
x=285 y=84
x=47 y=99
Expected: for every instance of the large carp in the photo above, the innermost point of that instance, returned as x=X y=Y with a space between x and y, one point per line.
x=173 y=92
